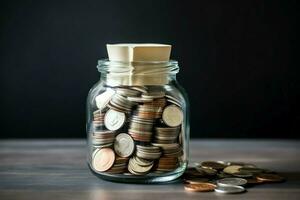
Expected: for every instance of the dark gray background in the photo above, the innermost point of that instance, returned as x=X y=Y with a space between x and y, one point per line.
x=237 y=62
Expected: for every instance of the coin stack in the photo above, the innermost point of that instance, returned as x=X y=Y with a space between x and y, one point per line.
x=101 y=139
x=173 y=100
x=170 y=150
x=139 y=166
x=119 y=166
x=126 y=92
x=141 y=129
x=120 y=103
x=169 y=161
x=226 y=177
x=136 y=129
x=148 y=152
x=166 y=135
x=98 y=120
x=157 y=106
x=166 y=164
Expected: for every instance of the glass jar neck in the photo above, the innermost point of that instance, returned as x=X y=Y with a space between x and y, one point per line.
x=137 y=73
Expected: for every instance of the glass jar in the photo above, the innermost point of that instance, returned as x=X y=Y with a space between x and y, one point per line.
x=138 y=122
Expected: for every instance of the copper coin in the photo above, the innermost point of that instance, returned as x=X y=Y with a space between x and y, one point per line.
x=269 y=178
x=103 y=159
x=200 y=187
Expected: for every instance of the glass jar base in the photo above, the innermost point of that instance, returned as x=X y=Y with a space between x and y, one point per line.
x=144 y=179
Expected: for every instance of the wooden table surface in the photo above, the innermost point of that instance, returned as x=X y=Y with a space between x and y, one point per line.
x=56 y=169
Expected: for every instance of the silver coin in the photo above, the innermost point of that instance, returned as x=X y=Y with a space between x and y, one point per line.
x=139 y=99
x=103 y=99
x=230 y=189
x=124 y=145
x=174 y=102
x=168 y=96
x=114 y=120
x=231 y=182
x=139 y=88
x=153 y=95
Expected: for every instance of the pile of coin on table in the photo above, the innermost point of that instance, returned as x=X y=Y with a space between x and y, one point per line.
x=136 y=130
x=226 y=177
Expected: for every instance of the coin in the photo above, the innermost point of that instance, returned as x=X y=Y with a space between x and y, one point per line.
x=207 y=171
x=103 y=159
x=153 y=95
x=120 y=103
x=141 y=89
x=269 y=178
x=200 y=187
x=169 y=97
x=114 y=120
x=166 y=135
x=167 y=163
x=232 y=181
x=230 y=189
x=120 y=165
x=103 y=99
x=213 y=164
x=172 y=116
x=136 y=168
x=232 y=169
x=139 y=99
x=103 y=138
x=139 y=124
x=124 y=145
x=174 y=102
x=170 y=150
x=148 y=152
x=140 y=135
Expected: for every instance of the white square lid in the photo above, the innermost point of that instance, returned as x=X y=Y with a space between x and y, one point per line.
x=142 y=52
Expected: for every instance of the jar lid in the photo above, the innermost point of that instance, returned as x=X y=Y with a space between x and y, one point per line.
x=139 y=52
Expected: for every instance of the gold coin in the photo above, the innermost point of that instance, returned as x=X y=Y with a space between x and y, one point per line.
x=269 y=178
x=172 y=116
x=232 y=169
x=200 y=187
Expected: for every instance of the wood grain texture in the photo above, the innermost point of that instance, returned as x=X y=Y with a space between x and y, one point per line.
x=56 y=169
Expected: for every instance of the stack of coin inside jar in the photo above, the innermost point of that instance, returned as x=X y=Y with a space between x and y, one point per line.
x=136 y=130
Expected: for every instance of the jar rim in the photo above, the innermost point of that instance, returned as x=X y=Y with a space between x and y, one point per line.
x=107 y=66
